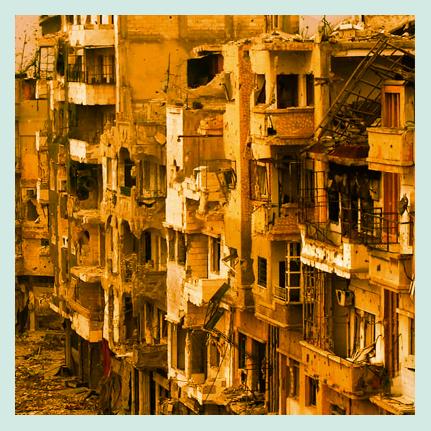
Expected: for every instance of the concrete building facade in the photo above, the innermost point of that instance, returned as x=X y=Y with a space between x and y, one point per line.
x=231 y=210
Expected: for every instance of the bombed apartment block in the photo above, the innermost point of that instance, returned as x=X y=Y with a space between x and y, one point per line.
x=221 y=210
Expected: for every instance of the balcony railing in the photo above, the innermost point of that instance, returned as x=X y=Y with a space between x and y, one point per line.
x=293 y=123
x=373 y=228
x=291 y=295
x=91 y=78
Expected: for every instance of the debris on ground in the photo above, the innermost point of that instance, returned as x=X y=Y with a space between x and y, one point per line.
x=43 y=385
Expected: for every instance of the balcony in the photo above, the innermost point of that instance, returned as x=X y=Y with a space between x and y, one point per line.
x=84 y=152
x=83 y=93
x=344 y=376
x=151 y=357
x=278 y=126
x=180 y=210
x=280 y=313
x=92 y=35
x=276 y=222
x=392 y=270
x=390 y=147
x=87 y=274
x=200 y=291
x=345 y=259
x=87 y=322
x=88 y=216
x=150 y=283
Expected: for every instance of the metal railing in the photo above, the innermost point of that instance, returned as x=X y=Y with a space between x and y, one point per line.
x=91 y=77
x=374 y=228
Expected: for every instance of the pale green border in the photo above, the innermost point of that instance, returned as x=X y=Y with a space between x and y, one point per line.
x=10 y=8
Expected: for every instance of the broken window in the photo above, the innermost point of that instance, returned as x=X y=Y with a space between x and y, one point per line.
x=215 y=254
x=364 y=331
x=226 y=178
x=259 y=180
x=261 y=271
x=260 y=90
x=287 y=91
x=46 y=62
x=200 y=71
x=311 y=388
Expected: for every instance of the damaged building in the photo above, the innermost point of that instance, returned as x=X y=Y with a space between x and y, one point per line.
x=231 y=208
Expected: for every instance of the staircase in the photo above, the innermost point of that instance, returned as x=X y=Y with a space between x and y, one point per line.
x=358 y=105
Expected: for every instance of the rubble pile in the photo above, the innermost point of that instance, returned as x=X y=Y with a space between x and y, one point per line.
x=42 y=387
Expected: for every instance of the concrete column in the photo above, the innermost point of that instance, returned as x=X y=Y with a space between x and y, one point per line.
x=67 y=346
x=133 y=409
x=144 y=393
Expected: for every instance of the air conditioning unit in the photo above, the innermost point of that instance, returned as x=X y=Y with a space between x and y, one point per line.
x=344 y=297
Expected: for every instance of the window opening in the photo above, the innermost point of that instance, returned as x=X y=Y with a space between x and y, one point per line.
x=287 y=91
x=259 y=180
x=200 y=71
x=312 y=388
x=309 y=78
x=261 y=271
x=260 y=90
x=215 y=255
x=181 y=248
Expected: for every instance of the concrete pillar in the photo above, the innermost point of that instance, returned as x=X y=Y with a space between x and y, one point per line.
x=67 y=345
x=32 y=310
x=134 y=390
x=144 y=393
x=157 y=390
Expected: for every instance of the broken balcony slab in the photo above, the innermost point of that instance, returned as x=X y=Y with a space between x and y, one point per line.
x=88 y=274
x=354 y=380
